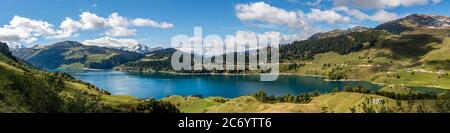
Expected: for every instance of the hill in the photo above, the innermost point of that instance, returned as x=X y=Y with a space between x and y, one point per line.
x=414 y=57
x=158 y=60
x=339 y=102
x=415 y=22
x=24 y=88
x=337 y=32
x=71 y=54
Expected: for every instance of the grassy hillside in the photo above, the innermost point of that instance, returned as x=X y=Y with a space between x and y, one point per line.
x=24 y=88
x=340 y=102
x=193 y=104
x=416 y=58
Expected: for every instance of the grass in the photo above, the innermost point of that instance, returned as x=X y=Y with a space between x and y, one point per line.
x=7 y=66
x=342 y=102
x=113 y=100
x=76 y=65
x=384 y=63
x=191 y=104
x=248 y=104
x=335 y=102
x=397 y=89
x=99 y=57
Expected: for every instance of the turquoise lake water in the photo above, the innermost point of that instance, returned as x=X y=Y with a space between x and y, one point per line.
x=158 y=85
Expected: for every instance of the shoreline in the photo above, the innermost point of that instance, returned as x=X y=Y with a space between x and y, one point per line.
x=255 y=74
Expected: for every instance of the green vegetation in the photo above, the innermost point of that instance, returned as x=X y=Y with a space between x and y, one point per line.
x=193 y=104
x=249 y=104
x=348 y=100
x=302 y=98
x=398 y=54
x=24 y=88
x=152 y=106
x=342 y=44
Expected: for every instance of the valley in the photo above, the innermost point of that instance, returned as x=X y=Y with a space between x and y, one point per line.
x=400 y=56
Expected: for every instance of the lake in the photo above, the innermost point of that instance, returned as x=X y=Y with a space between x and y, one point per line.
x=159 y=85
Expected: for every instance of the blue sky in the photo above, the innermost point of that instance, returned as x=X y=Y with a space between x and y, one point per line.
x=296 y=19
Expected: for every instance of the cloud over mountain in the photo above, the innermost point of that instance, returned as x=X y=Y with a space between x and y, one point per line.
x=27 y=30
x=382 y=4
x=117 y=25
x=263 y=12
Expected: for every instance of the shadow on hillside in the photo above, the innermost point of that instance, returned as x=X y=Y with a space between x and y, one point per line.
x=440 y=64
x=410 y=46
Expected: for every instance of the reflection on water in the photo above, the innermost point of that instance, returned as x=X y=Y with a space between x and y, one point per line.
x=159 y=85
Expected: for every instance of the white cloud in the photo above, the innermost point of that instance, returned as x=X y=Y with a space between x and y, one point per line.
x=151 y=23
x=381 y=4
x=383 y=16
x=117 y=25
x=241 y=37
x=380 y=16
x=262 y=12
x=92 y=21
x=69 y=27
x=25 y=30
x=329 y=16
x=111 y=42
x=115 y=20
x=120 y=31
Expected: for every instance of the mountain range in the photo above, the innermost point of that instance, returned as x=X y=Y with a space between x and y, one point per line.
x=72 y=54
x=140 y=48
x=415 y=22
x=386 y=54
x=412 y=51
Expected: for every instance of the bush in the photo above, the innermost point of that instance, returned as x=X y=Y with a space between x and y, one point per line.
x=301 y=98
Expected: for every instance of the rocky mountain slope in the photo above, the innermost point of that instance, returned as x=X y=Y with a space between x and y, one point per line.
x=416 y=21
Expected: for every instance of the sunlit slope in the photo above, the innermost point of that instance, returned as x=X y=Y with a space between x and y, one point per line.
x=24 y=88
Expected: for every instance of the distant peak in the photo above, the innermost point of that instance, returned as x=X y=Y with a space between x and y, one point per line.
x=414 y=22
x=338 y=32
x=68 y=43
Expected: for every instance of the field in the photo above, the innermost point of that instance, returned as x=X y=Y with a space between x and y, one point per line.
x=340 y=102
x=113 y=100
x=392 y=63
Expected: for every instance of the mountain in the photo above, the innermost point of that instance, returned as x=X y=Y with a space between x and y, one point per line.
x=338 y=32
x=158 y=60
x=416 y=21
x=140 y=48
x=154 y=49
x=24 y=88
x=418 y=57
x=72 y=54
x=4 y=49
x=344 y=43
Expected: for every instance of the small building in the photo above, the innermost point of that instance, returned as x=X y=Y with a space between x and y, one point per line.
x=378 y=101
x=148 y=99
x=408 y=69
x=441 y=72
